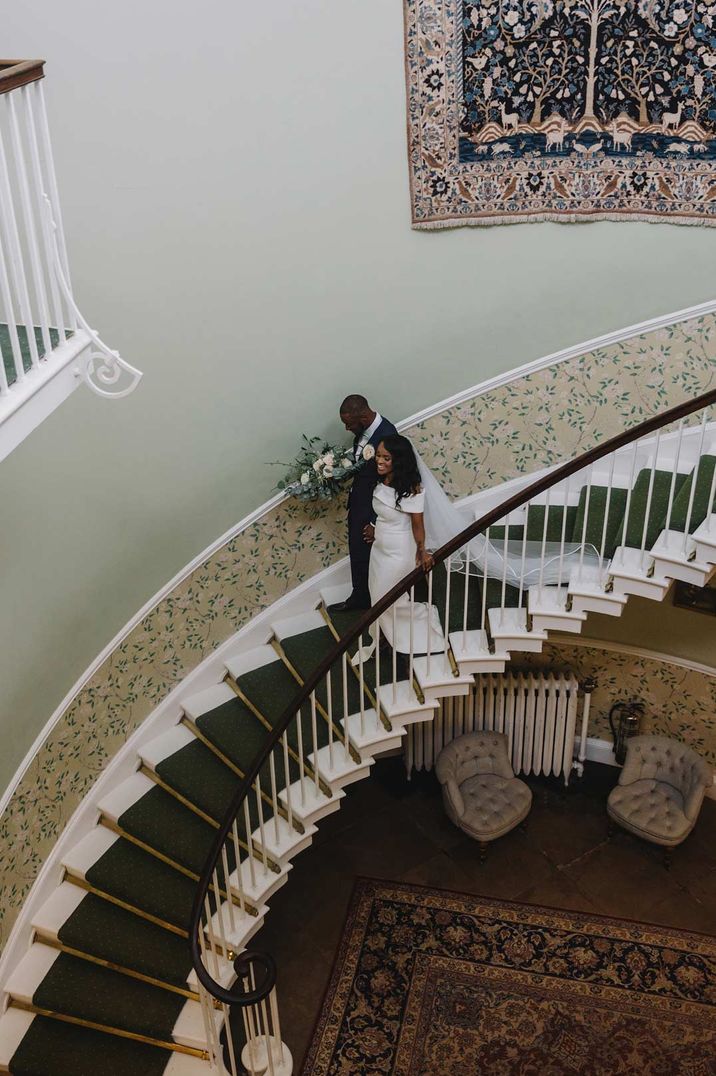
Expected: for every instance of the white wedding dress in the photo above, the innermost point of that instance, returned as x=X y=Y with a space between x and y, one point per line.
x=392 y=557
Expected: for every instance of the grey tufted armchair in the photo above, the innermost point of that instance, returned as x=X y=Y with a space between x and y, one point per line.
x=480 y=791
x=660 y=791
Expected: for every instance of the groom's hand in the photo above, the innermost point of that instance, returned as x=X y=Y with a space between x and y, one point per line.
x=369 y=533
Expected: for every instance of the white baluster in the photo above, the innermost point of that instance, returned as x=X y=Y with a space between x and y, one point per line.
x=587 y=501
x=630 y=488
x=607 y=505
x=262 y=834
x=314 y=736
x=287 y=776
x=237 y=854
x=694 y=479
x=301 y=762
x=33 y=246
x=504 y=569
x=395 y=657
x=329 y=692
x=544 y=543
x=345 y=701
x=446 y=632
x=483 y=611
x=227 y=887
x=274 y=797
x=44 y=133
x=247 y=826
x=649 y=496
x=430 y=622
x=563 y=532
x=17 y=266
x=674 y=472
x=40 y=211
x=466 y=596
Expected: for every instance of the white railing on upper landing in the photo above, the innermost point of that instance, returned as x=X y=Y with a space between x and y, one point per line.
x=46 y=346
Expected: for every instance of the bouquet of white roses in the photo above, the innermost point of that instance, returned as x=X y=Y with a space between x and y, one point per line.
x=319 y=470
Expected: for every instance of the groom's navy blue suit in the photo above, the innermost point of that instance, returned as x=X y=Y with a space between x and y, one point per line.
x=360 y=512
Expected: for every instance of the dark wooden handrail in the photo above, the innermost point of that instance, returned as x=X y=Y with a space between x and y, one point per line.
x=556 y=476
x=14 y=73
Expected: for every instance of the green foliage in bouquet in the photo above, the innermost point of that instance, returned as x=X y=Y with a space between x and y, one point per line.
x=319 y=470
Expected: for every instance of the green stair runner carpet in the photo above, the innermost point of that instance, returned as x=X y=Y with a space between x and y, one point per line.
x=106 y=931
x=700 y=504
x=6 y=348
x=53 y=1048
x=75 y=987
x=135 y=877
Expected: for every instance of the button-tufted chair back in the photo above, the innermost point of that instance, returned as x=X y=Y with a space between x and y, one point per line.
x=658 y=758
x=472 y=754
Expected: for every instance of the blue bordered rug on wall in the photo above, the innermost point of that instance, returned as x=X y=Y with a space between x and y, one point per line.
x=561 y=110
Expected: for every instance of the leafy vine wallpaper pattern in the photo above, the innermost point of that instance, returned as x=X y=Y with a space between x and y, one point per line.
x=531 y=423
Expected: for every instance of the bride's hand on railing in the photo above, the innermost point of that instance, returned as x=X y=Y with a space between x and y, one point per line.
x=424 y=559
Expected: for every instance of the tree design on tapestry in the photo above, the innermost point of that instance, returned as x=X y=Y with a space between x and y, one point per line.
x=589 y=77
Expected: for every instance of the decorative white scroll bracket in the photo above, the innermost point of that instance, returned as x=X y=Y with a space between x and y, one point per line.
x=102 y=367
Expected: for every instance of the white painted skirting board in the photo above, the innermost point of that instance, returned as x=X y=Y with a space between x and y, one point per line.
x=554 y=359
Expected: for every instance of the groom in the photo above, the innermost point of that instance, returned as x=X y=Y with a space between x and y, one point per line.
x=368 y=429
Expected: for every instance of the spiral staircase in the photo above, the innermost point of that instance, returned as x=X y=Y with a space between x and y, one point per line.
x=132 y=950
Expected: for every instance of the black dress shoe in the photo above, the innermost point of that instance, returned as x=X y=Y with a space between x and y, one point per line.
x=350 y=605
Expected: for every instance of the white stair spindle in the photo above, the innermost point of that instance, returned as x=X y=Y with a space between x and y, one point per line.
x=411 y=659
x=17 y=266
x=630 y=487
x=674 y=472
x=237 y=853
x=287 y=771
x=314 y=739
x=329 y=695
x=466 y=597
x=430 y=622
x=227 y=888
x=301 y=761
x=260 y=809
x=446 y=632
x=607 y=505
x=563 y=532
x=44 y=133
x=31 y=227
x=39 y=193
x=650 y=494
x=274 y=797
x=694 y=479
x=544 y=543
x=251 y=856
x=504 y=569
x=483 y=611
x=345 y=701
x=587 y=502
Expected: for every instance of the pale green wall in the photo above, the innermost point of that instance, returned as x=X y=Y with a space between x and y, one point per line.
x=234 y=186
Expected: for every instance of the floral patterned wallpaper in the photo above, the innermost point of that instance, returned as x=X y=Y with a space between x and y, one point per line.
x=529 y=424
x=677 y=701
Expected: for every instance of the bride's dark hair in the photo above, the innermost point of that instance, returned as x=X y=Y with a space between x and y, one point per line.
x=406 y=475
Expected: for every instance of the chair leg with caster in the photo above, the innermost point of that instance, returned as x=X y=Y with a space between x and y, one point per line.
x=483 y=850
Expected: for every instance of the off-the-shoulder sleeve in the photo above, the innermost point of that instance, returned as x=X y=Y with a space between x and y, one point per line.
x=414 y=503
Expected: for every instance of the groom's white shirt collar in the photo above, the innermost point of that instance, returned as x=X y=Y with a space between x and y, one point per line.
x=367 y=434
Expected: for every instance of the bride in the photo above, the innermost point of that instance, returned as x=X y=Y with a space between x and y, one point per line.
x=413 y=511
x=398 y=546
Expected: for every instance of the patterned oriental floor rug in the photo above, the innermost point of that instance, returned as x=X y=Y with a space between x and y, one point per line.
x=561 y=110
x=432 y=983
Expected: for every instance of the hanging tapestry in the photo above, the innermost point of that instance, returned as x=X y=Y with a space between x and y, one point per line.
x=561 y=110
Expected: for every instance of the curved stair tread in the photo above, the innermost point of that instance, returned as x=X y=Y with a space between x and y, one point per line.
x=76 y=987
x=54 y=1048
x=111 y=933
x=139 y=879
x=168 y=827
